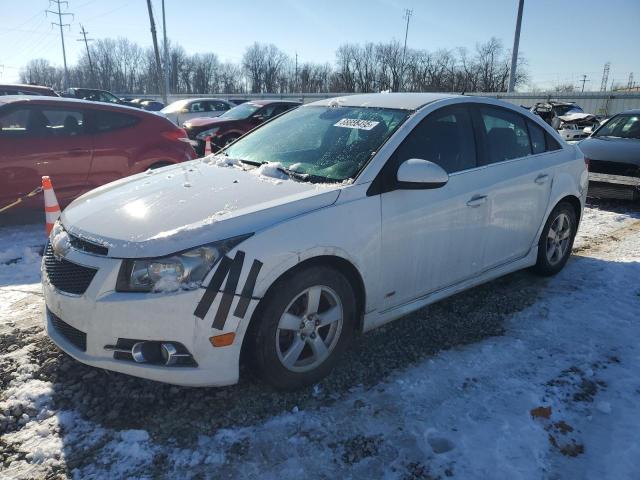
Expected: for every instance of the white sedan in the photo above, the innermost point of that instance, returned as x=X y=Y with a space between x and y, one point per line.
x=182 y=110
x=329 y=220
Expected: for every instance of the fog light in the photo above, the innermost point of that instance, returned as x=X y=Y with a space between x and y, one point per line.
x=168 y=352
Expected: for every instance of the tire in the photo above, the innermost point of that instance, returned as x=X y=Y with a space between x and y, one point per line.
x=555 y=249
x=287 y=335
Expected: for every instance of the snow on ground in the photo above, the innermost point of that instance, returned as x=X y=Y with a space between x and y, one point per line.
x=557 y=396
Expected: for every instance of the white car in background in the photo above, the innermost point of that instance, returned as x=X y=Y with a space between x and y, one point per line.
x=329 y=220
x=180 y=111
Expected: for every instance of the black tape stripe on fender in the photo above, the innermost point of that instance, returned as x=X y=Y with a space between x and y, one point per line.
x=212 y=290
x=247 y=291
x=229 y=291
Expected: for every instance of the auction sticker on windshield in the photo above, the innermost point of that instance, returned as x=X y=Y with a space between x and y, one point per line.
x=356 y=123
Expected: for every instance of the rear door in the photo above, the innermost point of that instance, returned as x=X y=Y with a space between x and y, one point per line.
x=518 y=175
x=115 y=146
x=37 y=140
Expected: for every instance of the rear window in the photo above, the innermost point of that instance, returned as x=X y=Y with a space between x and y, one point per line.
x=105 y=121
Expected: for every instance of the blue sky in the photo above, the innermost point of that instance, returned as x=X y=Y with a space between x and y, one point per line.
x=561 y=39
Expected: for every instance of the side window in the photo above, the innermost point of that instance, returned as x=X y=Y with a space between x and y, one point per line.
x=444 y=137
x=506 y=134
x=552 y=143
x=219 y=106
x=105 y=121
x=267 y=112
x=536 y=133
x=197 y=107
x=36 y=122
x=63 y=123
x=281 y=109
x=14 y=122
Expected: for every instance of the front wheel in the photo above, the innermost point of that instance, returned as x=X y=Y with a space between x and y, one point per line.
x=556 y=240
x=306 y=323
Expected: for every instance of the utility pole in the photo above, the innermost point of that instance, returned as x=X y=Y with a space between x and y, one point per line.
x=630 y=82
x=407 y=16
x=605 y=76
x=60 y=24
x=157 y=53
x=584 y=79
x=516 y=45
x=166 y=54
x=295 y=87
x=86 y=44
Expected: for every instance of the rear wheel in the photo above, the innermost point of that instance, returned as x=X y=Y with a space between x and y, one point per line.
x=556 y=240
x=305 y=324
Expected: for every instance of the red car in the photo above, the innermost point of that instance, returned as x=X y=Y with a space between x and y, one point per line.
x=18 y=89
x=80 y=145
x=234 y=123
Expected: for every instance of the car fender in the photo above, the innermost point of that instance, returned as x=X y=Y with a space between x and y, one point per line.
x=571 y=179
x=268 y=254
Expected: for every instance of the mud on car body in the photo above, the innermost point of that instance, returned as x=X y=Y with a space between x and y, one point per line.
x=331 y=219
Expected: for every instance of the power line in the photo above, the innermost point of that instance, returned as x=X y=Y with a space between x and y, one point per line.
x=86 y=44
x=60 y=24
x=516 y=44
x=408 y=13
x=584 y=80
x=605 y=76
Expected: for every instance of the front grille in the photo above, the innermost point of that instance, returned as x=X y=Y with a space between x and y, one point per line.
x=73 y=335
x=86 y=246
x=614 y=168
x=67 y=276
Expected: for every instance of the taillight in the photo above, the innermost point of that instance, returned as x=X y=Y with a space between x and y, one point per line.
x=177 y=134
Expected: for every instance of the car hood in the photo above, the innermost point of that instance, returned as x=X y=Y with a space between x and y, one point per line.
x=163 y=211
x=208 y=121
x=624 y=150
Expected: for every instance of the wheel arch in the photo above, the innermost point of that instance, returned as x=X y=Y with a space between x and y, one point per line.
x=340 y=264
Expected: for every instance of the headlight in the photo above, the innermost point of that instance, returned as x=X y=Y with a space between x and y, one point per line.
x=207 y=133
x=184 y=270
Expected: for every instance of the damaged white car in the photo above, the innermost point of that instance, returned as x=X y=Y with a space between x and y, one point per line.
x=329 y=220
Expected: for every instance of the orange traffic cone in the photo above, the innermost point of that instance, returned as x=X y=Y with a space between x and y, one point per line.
x=207 y=146
x=51 y=207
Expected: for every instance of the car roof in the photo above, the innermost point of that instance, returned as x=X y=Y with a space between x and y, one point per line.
x=264 y=102
x=39 y=99
x=401 y=101
x=633 y=111
x=26 y=86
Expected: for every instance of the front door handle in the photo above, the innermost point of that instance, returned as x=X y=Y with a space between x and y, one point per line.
x=477 y=200
x=542 y=179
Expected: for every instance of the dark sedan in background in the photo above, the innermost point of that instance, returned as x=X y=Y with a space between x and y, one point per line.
x=613 y=151
x=80 y=145
x=234 y=123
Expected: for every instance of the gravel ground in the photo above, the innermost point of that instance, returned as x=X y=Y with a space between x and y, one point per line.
x=178 y=415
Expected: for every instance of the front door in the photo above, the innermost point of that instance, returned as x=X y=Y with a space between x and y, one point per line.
x=434 y=238
x=39 y=140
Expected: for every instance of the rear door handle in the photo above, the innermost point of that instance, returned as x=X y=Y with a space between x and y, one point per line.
x=542 y=179
x=477 y=200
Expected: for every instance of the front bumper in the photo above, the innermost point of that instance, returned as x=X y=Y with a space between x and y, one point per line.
x=105 y=316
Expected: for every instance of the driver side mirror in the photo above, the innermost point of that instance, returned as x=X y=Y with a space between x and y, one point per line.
x=421 y=174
